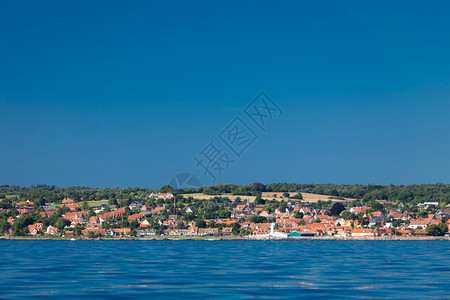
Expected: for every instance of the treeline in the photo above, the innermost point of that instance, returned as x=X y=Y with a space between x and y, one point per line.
x=406 y=194
x=52 y=194
x=396 y=193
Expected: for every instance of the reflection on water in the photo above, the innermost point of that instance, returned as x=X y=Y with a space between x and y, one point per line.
x=225 y=269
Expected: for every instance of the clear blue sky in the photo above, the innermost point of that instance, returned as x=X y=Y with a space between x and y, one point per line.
x=108 y=93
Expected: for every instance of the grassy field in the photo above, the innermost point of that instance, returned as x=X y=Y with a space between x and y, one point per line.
x=56 y=205
x=97 y=203
x=9 y=196
x=207 y=197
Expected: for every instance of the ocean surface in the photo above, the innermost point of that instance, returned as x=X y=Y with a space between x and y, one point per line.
x=225 y=269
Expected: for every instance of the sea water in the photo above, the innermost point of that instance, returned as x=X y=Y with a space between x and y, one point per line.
x=225 y=269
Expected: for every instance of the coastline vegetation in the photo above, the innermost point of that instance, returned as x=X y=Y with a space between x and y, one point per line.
x=221 y=210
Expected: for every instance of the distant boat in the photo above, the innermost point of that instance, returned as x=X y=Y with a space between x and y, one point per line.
x=72 y=239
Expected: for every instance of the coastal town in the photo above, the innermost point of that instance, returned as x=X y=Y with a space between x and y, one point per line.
x=264 y=215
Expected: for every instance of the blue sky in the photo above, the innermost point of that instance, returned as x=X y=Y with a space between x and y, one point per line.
x=109 y=93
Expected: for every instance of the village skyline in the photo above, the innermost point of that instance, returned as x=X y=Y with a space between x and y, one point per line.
x=224 y=211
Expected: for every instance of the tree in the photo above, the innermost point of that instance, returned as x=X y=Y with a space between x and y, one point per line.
x=223 y=214
x=259 y=200
x=200 y=223
x=337 y=208
x=422 y=214
x=61 y=223
x=4 y=226
x=84 y=205
x=298 y=196
x=282 y=207
x=437 y=230
x=189 y=217
x=347 y=215
x=286 y=195
x=167 y=189
x=375 y=205
x=180 y=225
x=78 y=230
x=235 y=227
x=112 y=201
x=257 y=219
x=258 y=187
x=91 y=212
x=21 y=225
x=363 y=219
x=298 y=215
x=333 y=192
x=134 y=224
x=396 y=223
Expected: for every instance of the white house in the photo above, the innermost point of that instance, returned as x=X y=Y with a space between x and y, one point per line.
x=422 y=223
x=161 y=195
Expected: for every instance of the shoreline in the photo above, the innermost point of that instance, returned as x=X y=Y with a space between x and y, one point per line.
x=246 y=238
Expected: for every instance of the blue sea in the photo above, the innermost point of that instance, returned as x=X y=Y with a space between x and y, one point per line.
x=225 y=269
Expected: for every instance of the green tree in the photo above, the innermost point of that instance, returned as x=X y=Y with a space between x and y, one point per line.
x=180 y=225
x=84 y=205
x=200 y=223
x=134 y=224
x=397 y=223
x=298 y=196
x=61 y=223
x=375 y=205
x=21 y=225
x=422 y=214
x=112 y=201
x=298 y=215
x=235 y=227
x=167 y=189
x=4 y=226
x=257 y=219
x=189 y=217
x=258 y=187
x=91 y=212
x=437 y=230
x=347 y=215
x=259 y=200
x=337 y=208
x=223 y=214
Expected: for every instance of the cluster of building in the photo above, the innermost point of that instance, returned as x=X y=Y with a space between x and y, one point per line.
x=294 y=220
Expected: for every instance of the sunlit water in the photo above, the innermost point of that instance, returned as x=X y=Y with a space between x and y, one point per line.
x=225 y=269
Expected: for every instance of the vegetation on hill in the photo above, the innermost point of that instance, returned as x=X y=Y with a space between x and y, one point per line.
x=402 y=193
x=79 y=209
x=396 y=193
